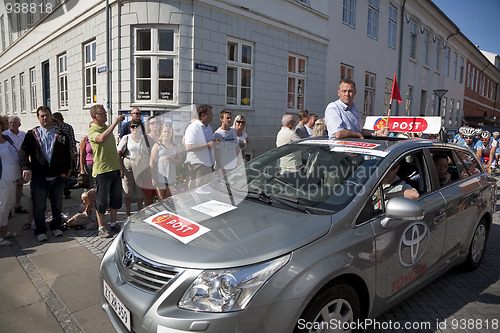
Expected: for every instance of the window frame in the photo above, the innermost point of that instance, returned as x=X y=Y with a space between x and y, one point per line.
x=151 y=78
x=33 y=96
x=62 y=82
x=13 y=94
x=299 y=79
x=349 y=13
x=392 y=27
x=345 y=69
x=409 y=99
x=426 y=37
x=368 y=105
x=89 y=73
x=22 y=91
x=242 y=70
x=373 y=19
x=447 y=56
x=413 y=40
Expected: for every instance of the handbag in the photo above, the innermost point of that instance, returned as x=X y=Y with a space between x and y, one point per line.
x=140 y=165
x=83 y=180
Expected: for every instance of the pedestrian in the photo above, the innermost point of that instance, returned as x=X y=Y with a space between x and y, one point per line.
x=135 y=114
x=342 y=116
x=127 y=148
x=87 y=159
x=17 y=138
x=9 y=174
x=106 y=168
x=226 y=148
x=309 y=126
x=319 y=128
x=165 y=156
x=199 y=142
x=286 y=133
x=300 y=129
x=239 y=125
x=153 y=130
x=85 y=216
x=68 y=129
x=45 y=160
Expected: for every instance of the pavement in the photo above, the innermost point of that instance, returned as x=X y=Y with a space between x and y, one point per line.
x=54 y=286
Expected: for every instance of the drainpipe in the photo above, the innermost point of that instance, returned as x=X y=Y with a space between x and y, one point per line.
x=108 y=64
x=400 y=60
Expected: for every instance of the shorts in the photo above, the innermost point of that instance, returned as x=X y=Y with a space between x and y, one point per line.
x=109 y=191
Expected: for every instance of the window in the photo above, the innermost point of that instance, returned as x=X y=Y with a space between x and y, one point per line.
x=13 y=87
x=6 y=89
x=63 y=81
x=90 y=71
x=470 y=162
x=409 y=98
x=296 y=83
x=413 y=39
x=239 y=70
x=461 y=77
x=156 y=65
x=11 y=28
x=455 y=64
x=346 y=71
x=392 y=26
x=426 y=47
x=18 y=21
x=349 y=12
x=450 y=116
x=442 y=113
x=372 y=26
x=447 y=61
x=438 y=53
x=29 y=20
x=1 y=104
x=33 y=89
x=387 y=92
x=446 y=159
x=369 y=94
x=476 y=85
x=469 y=76
x=457 y=114
x=22 y=92
x=2 y=28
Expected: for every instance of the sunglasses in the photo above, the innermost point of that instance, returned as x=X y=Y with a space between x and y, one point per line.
x=155 y=123
x=240 y=121
x=137 y=113
x=133 y=126
x=469 y=137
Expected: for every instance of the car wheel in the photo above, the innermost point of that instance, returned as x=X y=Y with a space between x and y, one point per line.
x=335 y=308
x=477 y=246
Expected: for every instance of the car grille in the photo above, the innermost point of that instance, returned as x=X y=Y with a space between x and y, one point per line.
x=142 y=273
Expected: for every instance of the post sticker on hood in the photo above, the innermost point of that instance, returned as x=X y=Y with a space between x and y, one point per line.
x=178 y=227
x=214 y=208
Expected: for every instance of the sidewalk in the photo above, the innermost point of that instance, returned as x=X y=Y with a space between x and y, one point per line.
x=52 y=286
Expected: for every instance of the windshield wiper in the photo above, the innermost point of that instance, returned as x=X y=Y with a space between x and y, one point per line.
x=268 y=198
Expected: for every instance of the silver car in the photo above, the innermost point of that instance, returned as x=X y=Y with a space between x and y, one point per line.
x=311 y=236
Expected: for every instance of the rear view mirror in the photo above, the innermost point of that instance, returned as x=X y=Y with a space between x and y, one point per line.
x=401 y=208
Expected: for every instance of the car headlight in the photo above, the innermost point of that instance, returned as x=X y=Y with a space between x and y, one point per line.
x=228 y=289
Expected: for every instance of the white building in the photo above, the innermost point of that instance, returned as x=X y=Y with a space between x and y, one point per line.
x=258 y=58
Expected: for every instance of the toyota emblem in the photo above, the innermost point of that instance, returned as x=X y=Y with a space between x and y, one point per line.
x=128 y=259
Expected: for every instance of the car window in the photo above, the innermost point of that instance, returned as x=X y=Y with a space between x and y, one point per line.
x=412 y=173
x=462 y=173
x=472 y=166
x=446 y=166
x=313 y=175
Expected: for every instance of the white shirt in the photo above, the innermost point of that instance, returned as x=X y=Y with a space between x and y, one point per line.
x=16 y=139
x=286 y=135
x=339 y=116
x=198 y=134
x=226 y=147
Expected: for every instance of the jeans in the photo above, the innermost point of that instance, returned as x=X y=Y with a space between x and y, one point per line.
x=40 y=190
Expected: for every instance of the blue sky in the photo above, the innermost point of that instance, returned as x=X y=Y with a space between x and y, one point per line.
x=479 y=20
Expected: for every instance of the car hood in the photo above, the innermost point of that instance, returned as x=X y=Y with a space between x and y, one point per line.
x=250 y=232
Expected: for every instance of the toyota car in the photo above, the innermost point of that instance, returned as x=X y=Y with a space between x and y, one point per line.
x=301 y=239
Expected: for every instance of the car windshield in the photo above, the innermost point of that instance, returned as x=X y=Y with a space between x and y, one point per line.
x=322 y=176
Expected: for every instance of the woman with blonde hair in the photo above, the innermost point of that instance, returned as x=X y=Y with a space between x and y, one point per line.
x=239 y=125
x=319 y=128
x=164 y=158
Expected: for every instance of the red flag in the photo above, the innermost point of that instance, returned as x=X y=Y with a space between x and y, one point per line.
x=395 y=94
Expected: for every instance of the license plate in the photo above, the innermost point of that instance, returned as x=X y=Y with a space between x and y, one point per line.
x=121 y=311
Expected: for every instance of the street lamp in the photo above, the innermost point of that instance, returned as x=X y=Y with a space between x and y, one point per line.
x=440 y=93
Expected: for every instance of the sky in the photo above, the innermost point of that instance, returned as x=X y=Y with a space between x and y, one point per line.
x=478 y=20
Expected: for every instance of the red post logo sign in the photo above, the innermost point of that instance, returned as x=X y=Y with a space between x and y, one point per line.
x=355 y=144
x=402 y=124
x=176 y=226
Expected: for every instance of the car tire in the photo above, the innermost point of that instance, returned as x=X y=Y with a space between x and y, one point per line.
x=477 y=246
x=338 y=303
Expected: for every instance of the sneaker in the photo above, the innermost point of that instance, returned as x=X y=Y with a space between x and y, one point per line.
x=41 y=237
x=103 y=233
x=57 y=233
x=115 y=228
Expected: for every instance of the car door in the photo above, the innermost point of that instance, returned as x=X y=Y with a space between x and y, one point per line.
x=463 y=199
x=407 y=252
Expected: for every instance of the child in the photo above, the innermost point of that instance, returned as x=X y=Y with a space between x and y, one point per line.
x=86 y=217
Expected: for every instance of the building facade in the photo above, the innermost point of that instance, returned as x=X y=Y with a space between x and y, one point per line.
x=258 y=58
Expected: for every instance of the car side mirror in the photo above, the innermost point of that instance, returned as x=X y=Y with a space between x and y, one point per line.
x=401 y=208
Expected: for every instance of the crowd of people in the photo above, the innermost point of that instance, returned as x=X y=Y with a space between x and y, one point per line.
x=143 y=164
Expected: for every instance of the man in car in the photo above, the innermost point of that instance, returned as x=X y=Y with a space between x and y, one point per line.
x=343 y=118
x=393 y=186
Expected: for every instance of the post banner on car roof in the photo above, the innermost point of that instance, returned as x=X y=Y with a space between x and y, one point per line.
x=428 y=125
